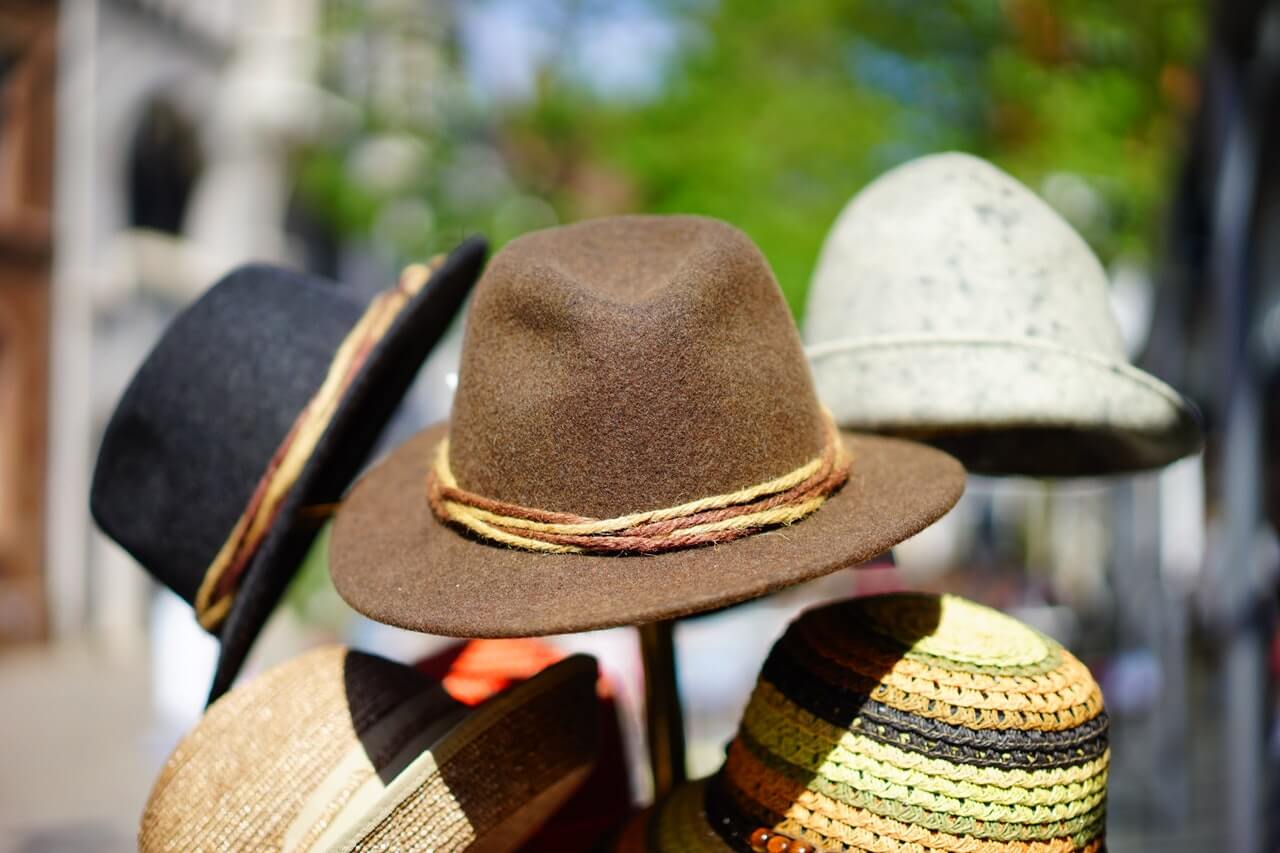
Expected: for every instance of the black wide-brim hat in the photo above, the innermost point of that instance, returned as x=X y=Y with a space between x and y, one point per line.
x=204 y=417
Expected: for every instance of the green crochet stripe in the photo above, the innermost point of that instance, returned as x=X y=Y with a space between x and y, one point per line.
x=942 y=814
x=830 y=631
x=876 y=767
x=948 y=627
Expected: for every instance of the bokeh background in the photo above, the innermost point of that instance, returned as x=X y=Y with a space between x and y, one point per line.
x=146 y=146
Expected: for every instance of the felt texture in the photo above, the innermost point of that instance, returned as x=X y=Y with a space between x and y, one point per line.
x=393 y=561
x=614 y=366
x=1008 y=407
x=630 y=363
x=950 y=300
x=199 y=422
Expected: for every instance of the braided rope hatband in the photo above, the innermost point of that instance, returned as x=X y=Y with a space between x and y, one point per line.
x=719 y=518
x=221 y=580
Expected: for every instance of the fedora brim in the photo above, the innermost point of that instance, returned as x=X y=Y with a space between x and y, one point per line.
x=357 y=422
x=1008 y=406
x=470 y=765
x=307 y=751
x=395 y=562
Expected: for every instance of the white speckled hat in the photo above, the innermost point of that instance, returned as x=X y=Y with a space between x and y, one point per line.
x=953 y=305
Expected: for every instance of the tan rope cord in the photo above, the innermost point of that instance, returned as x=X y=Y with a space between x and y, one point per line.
x=718 y=518
x=222 y=578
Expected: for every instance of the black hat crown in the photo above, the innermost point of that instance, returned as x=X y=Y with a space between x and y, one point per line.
x=204 y=417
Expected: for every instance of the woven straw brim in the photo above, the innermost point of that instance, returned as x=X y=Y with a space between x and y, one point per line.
x=395 y=562
x=502 y=771
x=342 y=751
x=1007 y=406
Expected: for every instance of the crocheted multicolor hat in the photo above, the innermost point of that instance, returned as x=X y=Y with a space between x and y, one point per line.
x=903 y=722
x=338 y=750
x=952 y=304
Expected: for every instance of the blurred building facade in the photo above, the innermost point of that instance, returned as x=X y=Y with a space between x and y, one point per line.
x=28 y=40
x=175 y=125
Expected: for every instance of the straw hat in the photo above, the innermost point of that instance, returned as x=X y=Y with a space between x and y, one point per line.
x=952 y=304
x=338 y=750
x=904 y=722
x=635 y=437
x=262 y=398
x=475 y=670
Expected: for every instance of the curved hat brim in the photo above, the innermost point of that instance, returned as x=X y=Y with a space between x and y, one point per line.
x=318 y=754
x=357 y=422
x=395 y=562
x=544 y=725
x=1008 y=406
x=678 y=822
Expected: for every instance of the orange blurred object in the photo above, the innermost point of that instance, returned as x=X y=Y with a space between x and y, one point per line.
x=476 y=670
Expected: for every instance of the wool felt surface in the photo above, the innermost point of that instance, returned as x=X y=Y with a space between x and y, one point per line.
x=194 y=432
x=1010 y=407
x=393 y=561
x=951 y=300
x=629 y=363
x=615 y=366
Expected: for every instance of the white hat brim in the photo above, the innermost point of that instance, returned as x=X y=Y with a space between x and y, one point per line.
x=1007 y=406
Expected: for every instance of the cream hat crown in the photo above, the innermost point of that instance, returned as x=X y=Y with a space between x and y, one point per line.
x=950 y=303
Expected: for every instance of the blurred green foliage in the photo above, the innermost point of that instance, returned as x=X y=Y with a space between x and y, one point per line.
x=771 y=115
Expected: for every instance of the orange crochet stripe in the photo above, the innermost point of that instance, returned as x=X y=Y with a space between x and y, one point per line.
x=838 y=826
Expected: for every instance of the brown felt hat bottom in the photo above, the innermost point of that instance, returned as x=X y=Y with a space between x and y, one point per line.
x=393 y=561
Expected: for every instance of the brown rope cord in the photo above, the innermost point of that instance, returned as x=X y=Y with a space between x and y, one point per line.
x=718 y=518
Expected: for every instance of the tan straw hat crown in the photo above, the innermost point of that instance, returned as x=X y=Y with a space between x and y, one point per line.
x=338 y=750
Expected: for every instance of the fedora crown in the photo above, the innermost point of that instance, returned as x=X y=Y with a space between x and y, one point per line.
x=949 y=245
x=628 y=363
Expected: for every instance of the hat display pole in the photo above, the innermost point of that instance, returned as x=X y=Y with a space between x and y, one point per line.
x=664 y=719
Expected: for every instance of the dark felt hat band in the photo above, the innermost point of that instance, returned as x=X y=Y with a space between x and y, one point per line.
x=717 y=518
x=221 y=580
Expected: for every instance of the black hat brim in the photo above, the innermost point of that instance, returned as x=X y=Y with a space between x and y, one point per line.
x=359 y=419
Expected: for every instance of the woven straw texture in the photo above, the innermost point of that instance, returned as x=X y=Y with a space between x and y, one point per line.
x=906 y=722
x=321 y=748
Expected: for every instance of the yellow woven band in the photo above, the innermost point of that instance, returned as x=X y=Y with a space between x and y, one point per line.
x=718 y=518
x=936 y=784
x=221 y=580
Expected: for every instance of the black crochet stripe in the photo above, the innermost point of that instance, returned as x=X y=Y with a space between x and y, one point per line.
x=734 y=818
x=1007 y=748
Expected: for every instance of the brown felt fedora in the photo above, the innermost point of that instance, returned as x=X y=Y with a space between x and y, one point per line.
x=635 y=437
